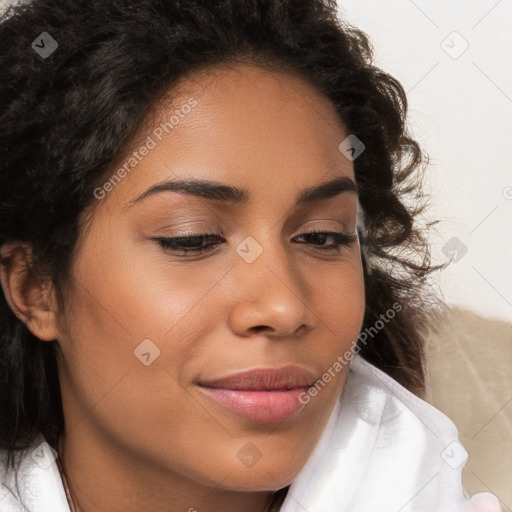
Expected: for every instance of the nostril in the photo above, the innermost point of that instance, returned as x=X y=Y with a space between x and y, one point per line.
x=259 y=328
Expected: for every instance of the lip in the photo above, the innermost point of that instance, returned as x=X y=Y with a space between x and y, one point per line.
x=261 y=394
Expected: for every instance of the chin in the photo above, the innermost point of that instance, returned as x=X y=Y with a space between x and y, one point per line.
x=255 y=481
x=269 y=475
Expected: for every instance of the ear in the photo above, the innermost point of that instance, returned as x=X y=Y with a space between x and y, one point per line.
x=30 y=296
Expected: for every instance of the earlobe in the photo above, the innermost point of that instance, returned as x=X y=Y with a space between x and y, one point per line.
x=30 y=296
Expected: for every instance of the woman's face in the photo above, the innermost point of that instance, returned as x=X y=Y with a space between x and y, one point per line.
x=148 y=323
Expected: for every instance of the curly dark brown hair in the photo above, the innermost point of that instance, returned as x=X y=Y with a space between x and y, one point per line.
x=64 y=119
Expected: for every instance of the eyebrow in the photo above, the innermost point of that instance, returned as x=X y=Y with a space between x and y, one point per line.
x=229 y=194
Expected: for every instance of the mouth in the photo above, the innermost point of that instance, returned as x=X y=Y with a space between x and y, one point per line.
x=263 y=395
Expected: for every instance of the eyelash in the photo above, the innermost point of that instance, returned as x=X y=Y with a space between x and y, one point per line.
x=173 y=244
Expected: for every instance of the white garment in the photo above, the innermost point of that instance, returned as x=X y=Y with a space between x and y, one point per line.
x=383 y=450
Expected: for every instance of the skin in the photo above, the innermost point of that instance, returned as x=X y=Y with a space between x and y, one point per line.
x=143 y=437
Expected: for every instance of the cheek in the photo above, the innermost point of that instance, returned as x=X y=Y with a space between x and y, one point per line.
x=133 y=325
x=338 y=298
x=147 y=293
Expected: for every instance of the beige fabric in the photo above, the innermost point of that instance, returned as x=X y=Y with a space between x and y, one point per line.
x=469 y=360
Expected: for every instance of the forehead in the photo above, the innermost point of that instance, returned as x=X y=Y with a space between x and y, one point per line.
x=268 y=132
x=255 y=109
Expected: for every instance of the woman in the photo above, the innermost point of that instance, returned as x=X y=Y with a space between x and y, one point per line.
x=214 y=284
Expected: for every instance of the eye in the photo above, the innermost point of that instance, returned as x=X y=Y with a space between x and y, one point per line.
x=198 y=243
x=190 y=243
x=340 y=239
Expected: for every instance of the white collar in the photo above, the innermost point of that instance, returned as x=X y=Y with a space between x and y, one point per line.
x=382 y=450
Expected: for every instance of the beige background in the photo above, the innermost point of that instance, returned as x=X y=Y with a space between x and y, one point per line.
x=470 y=380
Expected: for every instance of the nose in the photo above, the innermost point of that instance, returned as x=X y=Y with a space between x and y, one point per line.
x=271 y=296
